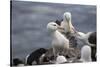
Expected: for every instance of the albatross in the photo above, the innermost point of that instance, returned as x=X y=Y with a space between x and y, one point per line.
x=69 y=31
x=76 y=38
x=59 y=41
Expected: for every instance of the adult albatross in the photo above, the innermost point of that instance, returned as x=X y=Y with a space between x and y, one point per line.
x=76 y=38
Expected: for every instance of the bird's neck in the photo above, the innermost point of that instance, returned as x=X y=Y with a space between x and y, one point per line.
x=57 y=35
x=70 y=28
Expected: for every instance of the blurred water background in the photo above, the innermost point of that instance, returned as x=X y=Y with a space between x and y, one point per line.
x=29 y=20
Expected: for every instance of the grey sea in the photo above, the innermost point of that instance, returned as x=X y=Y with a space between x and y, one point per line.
x=29 y=21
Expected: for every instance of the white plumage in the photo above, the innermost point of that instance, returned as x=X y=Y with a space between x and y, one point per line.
x=66 y=23
x=86 y=54
x=84 y=37
x=59 y=41
x=60 y=59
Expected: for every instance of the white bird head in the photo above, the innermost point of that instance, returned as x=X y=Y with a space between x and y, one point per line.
x=67 y=16
x=86 y=53
x=52 y=26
